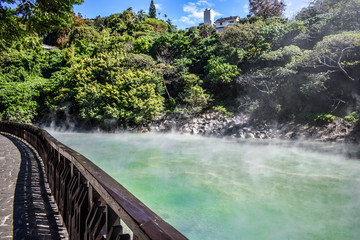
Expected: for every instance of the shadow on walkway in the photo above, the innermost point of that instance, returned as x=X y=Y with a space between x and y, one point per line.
x=35 y=214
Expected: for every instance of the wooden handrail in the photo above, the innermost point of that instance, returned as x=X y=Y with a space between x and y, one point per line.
x=93 y=204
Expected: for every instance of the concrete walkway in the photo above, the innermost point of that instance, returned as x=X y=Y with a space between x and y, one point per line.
x=27 y=209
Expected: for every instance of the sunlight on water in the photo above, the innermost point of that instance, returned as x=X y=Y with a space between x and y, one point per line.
x=217 y=189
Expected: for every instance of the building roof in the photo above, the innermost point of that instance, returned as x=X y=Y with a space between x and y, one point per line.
x=227 y=19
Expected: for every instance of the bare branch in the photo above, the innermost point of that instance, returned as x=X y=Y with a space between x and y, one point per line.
x=326 y=64
x=332 y=60
x=339 y=63
x=263 y=91
x=337 y=103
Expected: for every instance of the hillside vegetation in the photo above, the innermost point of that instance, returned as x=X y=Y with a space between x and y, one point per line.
x=129 y=68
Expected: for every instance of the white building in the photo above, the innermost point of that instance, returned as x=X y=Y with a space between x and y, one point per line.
x=208 y=16
x=222 y=23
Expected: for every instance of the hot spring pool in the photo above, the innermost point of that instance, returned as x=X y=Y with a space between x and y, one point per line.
x=220 y=189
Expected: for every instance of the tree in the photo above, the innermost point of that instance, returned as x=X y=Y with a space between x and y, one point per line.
x=335 y=54
x=171 y=27
x=220 y=71
x=85 y=34
x=141 y=15
x=158 y=25
x=267 y=8
x=206 y=30
x=152 y=10
x=33 y=16
x=194 y=95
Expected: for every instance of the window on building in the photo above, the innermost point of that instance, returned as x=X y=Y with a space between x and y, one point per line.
x=231 y=21
x=220 y=23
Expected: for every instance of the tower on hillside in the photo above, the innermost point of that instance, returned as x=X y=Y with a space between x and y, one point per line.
x=208 y=16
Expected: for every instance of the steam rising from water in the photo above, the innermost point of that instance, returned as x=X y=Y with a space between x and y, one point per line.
x=217 y=189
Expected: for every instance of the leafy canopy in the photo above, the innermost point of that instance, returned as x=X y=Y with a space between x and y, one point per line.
x=39 y=16
x=267 y=8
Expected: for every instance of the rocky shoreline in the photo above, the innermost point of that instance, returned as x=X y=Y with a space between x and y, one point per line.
x=242 y=126
x=237 y=126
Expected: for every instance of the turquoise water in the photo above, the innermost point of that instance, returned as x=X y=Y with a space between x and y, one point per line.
x=218 y=189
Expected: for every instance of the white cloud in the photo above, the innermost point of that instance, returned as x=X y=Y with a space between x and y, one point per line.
x=246 y=8
x=158 y=6
x=204 y=3
x=195 y=12
x=187 y=20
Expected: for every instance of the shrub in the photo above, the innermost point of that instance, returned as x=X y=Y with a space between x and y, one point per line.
x=352 y=118
x=318 y=118
x=18 y=100
x=222 y=110
x=139 y=61
x=158 y=25
x=142 y=45
x=101 y=88
x=194 y=95
x=85 y=34
x=220 y=71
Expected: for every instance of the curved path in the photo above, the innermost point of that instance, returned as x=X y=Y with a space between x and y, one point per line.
x=27 y=209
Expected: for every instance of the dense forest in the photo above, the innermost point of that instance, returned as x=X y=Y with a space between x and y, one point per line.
x=129 y=68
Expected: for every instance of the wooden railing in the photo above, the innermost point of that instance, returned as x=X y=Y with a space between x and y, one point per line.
x=92 y=204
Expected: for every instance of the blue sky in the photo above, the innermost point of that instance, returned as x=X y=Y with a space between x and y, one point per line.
x=183 y=13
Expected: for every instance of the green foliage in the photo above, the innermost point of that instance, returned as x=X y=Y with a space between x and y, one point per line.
x=101 y=89
x=222 y=110
x=318 y=118
x=325 y=17
x=352 y=118
x=157 y=25
x=291 y=32
x=315 y=84
x=99 y=22
x=182 y=66
x=272 y=32
x=115 y=23
x=220 y=71
x=19 y=100
x=53 y=61
x=11 y=29
x=85 y=40
x=132 y=97
x=139 y=61
x=128 y=23
x=33 y=17
x=206 y=30
x=17 y=65
x=195 y=95
x=152 y=10
x=168 y=45
x=282 y=55
x=249 y=37
x=342 y=15
x=122 y=67
x=267 y=8
x=88 y=34
x=337 y=52
x=243 y=36
x=143 y=44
